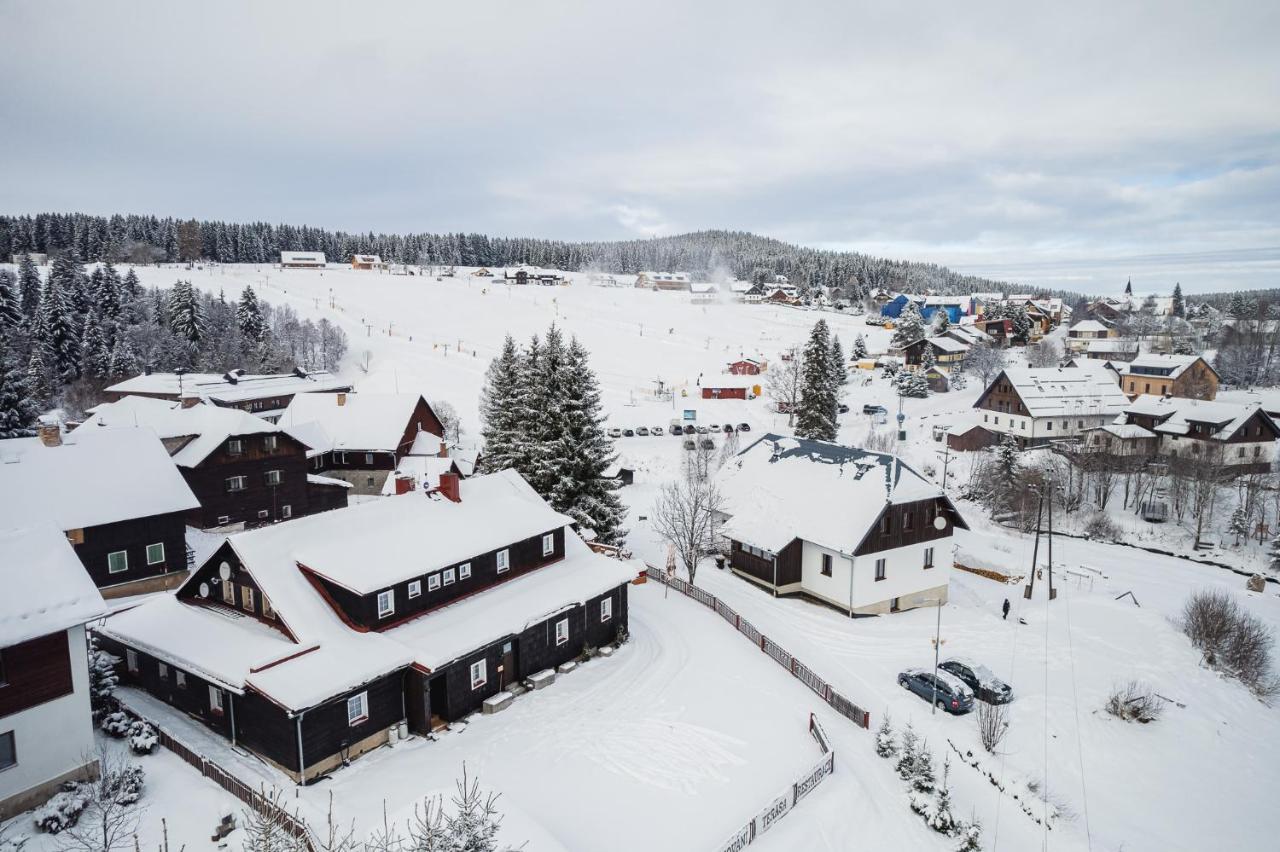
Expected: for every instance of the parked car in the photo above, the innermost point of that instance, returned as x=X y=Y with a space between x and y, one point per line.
x=728 y=427
x=689 y=429
x=871 y=408
x=707 y=444
x=744 y=427
x=615 y=432
x=946 y=690
x=677 y=431
x=628 y=433
x=844 y=409
x=643 y=431
x=658 y=430
x=702 y=430
x=980 y=679
x=689 y=444
x=714 y=427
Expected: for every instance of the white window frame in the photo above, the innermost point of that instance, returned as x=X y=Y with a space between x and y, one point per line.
x=180 y=678
x=928 y=558
x=447 y=577
x=415 y=589
x=433 y=582
x=479 y=674
x=267 y=609
x=131 y=660
x=150 y=561
x=272 y=477
x=360 y=705
x=235 y=446
x=389 y=596
x=162 y=670
x=562 y=632
x=123 y=553
x=286 y=511
x=606 y=610
x=548 y=544
x=224 y=519
x=215 y=700
x=504 y=560
x=340 y=457
x=464 y=571
x=246 y=598
x=269 y=443
x=228 y=592
x=263 y=514
x=235 y=484
x=368 y=458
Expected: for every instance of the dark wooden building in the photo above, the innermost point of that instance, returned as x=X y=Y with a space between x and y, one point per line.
x=264 y=395
x=348 y=628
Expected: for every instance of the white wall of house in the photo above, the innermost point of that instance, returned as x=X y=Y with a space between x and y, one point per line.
x=1022 y=426
x=906 y=578
x=54 y=738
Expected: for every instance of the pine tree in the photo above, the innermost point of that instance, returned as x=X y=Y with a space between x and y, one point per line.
x=547 y=384
x=38 y=378
x=1007 y=462
x=1274 y=554
x=528 y=409
x=1021 y=323
x=11 y=317
x=130 y=288
x=18 y=409
x=922 y=779
x=941 y=819
x=584 y=451
x=907 y=755
x=28 y=287
x=816 y=413
x=95 y=356
x=1239 y=524
x=859 y=348
x=886 y=745
x=186 y=315
x=839 y=370
x=912 y=384
x=942 y=322
x=1179 y=306
x=908 y=327
x=106 y=294
x=928 y=359
x=56 y=332
x=249 y=317
x=499 y=423
x=123 y=362
x=970 y=834
x=103 y=680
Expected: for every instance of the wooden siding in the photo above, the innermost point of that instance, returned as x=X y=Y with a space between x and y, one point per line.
x=362 y=610
x=208 y=482
x=325 y=498
x=1000 y=396
x=325 y=730
x=34 y=672
x=133 y=536
x=210 y=574
x=788 y=563
x=908 y=524
x=192 y=699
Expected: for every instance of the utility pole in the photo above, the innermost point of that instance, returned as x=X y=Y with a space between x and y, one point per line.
x=937 y=647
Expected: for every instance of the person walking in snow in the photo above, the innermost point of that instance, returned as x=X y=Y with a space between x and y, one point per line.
x=1005 y=609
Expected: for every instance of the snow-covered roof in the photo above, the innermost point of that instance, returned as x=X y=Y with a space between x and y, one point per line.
x=1090 y=325
x=1175 y=364
x=1111 y=345
x=1175 y=415
x=954 y=301
x=46 y=588
x=1126 y=431
x=317 y=479
x=207 y=426
x=948 y=344
x=426 y=444
x=423 y=470
x=968 y=334
x=779 y=489
x=375 y=545
x=354 y=421
x=230 y=387
x=366 y=258
x=302 y=257
x=1057 y=391
x=95 y=477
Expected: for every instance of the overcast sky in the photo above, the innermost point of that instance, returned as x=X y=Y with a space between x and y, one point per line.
x=1078 y=144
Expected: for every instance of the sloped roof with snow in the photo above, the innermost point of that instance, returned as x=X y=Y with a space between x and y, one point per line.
x=779 y=489
x=948 y=344
x=1090 y=325
x=364 y=421
x=1176 y=415
x=46 y=588
x=1175 y=364
x=95 y=477
x=207 y=425
x=231 y=387
x=1058 y=391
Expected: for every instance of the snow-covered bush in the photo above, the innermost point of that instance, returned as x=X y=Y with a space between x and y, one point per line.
x=886 y=746
x=64 y=809
x=922 y=780
x=1134 y=702
x=125 y=785
x=1100 y=528
x=970 y=834
x=911 y=384
x=117 y=724
x=142 y=737
x=1232 y=640
x=103 y=680
x=906 y=764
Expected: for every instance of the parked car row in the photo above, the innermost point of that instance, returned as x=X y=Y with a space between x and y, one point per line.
x=956 y=684
x=678 y=431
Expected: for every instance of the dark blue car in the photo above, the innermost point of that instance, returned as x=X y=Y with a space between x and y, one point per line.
x=946 y=690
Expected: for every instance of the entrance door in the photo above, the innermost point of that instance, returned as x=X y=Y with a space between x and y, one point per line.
x=893 y=605
x=437 y=698
x=507 y=667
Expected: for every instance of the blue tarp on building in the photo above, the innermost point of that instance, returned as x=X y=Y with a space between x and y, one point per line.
x=894 y=308
x=954 y=312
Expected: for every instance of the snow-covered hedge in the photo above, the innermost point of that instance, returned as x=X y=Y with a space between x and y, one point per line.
x=142 y=737
x=64 y=809
x=117 y=724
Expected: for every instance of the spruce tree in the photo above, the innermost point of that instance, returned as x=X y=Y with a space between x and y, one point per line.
x=911 y=383
x=859 y=350
x=908 y=327
x=1274 y=554
x=249 y=317
x=28 y=287
x=941 y=322
x=528 y=409
x=839 y=370
x=928 y=360
x=123 y=363
x=547 y=422
x=130 y=288
x=886 y=746
x=499 y=410
x=95 y=354
x=18 y=408
x=1238 y=526
x=816 y=413
x=1007 y=461
x=56 y=332
x=11 y=317
x=186 y=315
x=38 y=378
x=942 y=819
x=1021 y=323
x=970 y=834
x=1179 y=306
x=906 y=764
x=922 y=779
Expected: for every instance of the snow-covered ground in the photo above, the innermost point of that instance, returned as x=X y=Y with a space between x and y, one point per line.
x=688 y=731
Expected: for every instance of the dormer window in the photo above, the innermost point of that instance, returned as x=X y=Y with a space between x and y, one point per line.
x=548 y=544
x=504 y=561
x=386 y=603
x=269 y=443
x=235 y=446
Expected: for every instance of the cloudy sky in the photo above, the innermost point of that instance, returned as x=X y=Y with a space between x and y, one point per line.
x=1076 y=145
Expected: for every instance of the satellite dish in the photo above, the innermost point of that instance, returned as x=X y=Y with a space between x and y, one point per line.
x=204 y=590
x=224 y=571
x=940 y=523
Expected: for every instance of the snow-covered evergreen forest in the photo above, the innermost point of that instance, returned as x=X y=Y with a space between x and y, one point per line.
x=67 y=333
x=148 y=239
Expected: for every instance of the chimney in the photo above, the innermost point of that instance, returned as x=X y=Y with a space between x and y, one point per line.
x=50 y=434
x=444 y=450
x=342 y=399
x=449 y=486
x=404 y=484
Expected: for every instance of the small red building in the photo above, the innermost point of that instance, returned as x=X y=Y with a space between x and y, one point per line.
x=746 y=367
x=724 y=393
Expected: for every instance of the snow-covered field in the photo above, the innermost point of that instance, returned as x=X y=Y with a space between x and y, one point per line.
x=688 y=731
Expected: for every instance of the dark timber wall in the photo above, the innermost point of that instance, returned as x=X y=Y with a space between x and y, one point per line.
x=34 y=672
x=133 y=536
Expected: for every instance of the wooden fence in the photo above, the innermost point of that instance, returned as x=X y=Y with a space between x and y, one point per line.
x=782 y=804
x=776 y=652
x=255 y=799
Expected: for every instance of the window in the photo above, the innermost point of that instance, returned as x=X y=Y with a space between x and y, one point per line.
x=1048 y=426
x=504 y=560
x=997 y=420
x=928 y=557
x=340 y=458
x=267 y=609
x=228 y=592
x=358 y=709
x=415 y=588
x=548 y=544
x=879 y=569
x=269 y=443
x=163 y=671
x=606 y=610
x=562 y=631
x=433 y=582
x=263 y=514
x=131 y=660
x=246 y=598
x=464 y=571
x=117 y=562
x=1079 y=424
x=8 y=750
x=224 y=519
x=984 y=418
x=478 y=674
x=448 y=576
x=386 y=603
x=1240 y=452
x=826 y=564
x=1148 y=390
x=215 y=700
x=235 y=483
x=155 y=553
x=1257 y=451
x=906 y=521
x=286 y=511
x=235 y=446
x=180 y=678
x=273 y=477
x=368 y=458
x=884 y=525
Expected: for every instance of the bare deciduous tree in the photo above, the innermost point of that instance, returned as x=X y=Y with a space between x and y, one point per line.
x=685 y=515
x=785 y=380
x=110 y=817
x=984 y=360
x=993 y=724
